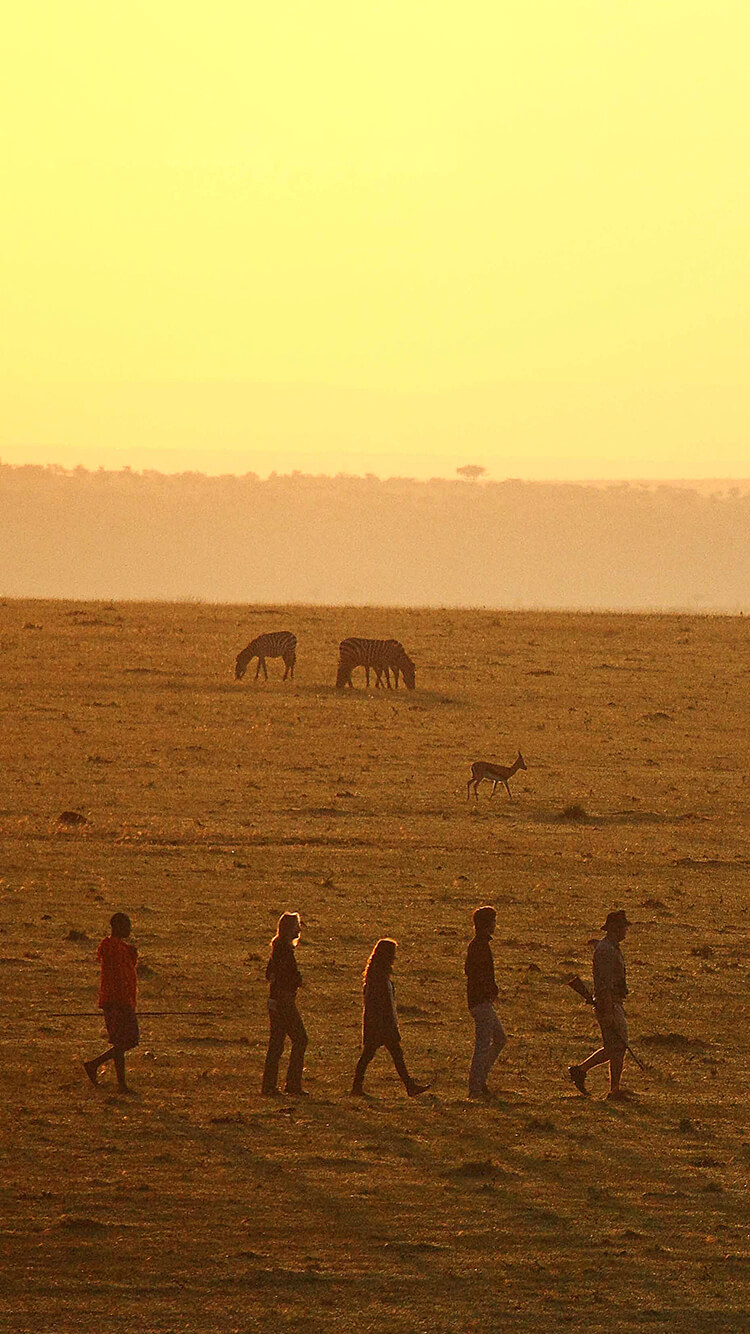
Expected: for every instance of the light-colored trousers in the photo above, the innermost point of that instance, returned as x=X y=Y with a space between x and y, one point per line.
x=489 y=1040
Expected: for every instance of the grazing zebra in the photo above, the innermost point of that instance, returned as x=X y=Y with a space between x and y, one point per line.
x=383 y=655
x=281 y=644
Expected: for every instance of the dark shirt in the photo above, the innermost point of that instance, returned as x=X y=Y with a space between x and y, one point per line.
x=480 y=972
x=282 y=971
x=379 y=1022
x=609 y=972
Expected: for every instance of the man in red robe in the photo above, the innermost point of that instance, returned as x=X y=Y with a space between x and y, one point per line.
x=117 y=998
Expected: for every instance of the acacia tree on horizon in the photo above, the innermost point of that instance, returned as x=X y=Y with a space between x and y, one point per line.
x=471 y=471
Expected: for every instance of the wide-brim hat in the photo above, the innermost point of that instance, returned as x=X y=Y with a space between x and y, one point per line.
x=617 y=917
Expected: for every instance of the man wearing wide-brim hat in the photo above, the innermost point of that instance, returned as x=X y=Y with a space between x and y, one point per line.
x=610 y=990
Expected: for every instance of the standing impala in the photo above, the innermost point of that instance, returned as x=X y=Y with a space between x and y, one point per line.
x=496 y=773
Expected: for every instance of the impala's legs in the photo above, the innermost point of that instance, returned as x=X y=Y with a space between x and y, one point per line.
x=367 y=676
x=257 y=669
x=507 y=789
x=265 y=669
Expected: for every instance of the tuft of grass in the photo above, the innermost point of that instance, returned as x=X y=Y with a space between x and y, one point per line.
x=538 y=1123
x=476 y=1169
x=574 y=814
x=82 y=1226
x=673 y=1042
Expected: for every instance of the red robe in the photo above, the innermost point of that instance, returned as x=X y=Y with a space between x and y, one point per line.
x=119 y=982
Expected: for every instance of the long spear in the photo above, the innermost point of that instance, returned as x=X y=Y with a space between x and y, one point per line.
x=579 y=986
x=141 y=1014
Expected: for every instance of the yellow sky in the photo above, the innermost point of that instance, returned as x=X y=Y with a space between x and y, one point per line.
x=333 y=235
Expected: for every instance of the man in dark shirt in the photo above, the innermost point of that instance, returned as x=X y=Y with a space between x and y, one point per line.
x=481 y=993
x=610 y=990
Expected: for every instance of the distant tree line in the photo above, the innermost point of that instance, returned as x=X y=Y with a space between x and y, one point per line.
x=360 y=540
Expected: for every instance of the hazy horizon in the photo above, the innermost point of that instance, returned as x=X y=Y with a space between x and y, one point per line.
x=361 y=541
x=700 y=484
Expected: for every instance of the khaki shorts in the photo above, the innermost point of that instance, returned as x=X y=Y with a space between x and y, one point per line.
x=614 y=1034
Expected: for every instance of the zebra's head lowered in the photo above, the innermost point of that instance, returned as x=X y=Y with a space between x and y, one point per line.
x=245 y=657
x=409 y=672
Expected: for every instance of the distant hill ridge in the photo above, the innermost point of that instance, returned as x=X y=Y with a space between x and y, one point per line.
x=360 y=540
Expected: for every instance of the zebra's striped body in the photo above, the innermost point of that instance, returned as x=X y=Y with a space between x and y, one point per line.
x=382 y=655
x=280 y=644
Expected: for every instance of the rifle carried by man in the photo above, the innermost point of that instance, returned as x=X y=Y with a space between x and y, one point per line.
x=578 y=985
x=610 y=991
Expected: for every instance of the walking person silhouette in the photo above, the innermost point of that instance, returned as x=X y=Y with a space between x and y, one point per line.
x=380 y=1019
x=284 y=1017
x=118 y=989
x=481 y=993
x=610 y=990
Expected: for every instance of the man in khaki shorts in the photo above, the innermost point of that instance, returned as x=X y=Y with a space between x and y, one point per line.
x=610 y=990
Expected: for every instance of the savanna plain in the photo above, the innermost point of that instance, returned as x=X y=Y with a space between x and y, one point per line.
x=212 y=806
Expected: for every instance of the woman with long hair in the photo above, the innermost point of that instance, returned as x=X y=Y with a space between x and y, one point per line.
x=380 y=1020
x=284 y=1017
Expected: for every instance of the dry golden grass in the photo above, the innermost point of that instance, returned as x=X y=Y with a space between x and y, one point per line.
x=213 y=806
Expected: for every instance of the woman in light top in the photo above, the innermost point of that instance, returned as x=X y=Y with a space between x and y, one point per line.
x=380 y=1020
x=285 y=1021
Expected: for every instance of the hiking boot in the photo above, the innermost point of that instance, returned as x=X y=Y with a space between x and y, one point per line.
x=579 y=1078
x=415 y=1089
